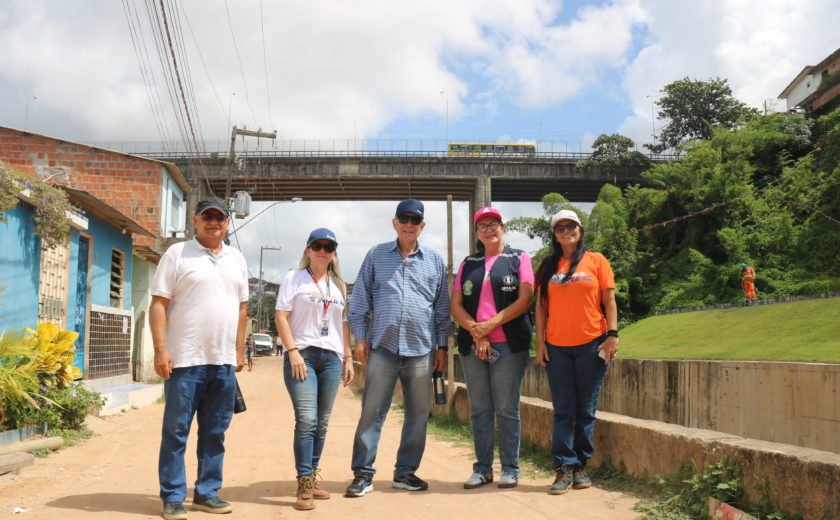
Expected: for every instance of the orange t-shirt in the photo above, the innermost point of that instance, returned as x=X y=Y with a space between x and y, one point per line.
x=574 y=307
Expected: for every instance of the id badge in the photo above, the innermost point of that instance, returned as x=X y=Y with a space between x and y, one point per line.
x=325 y=328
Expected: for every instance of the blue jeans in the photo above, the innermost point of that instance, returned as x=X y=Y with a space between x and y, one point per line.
x=575 y=376
x=313 y=400
x=494 y=390
x=208 y=391
x=415 y=376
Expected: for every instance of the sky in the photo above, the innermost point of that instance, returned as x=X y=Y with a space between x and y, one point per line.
x=383 y=73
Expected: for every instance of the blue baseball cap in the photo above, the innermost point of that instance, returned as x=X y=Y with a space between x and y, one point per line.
x=321 y=234
x=410 y=206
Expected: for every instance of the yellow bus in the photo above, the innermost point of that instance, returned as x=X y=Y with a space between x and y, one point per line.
x=491 y=149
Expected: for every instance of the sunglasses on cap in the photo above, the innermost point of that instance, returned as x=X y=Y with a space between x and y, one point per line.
x=329 y=247
x=218 y=217
x=571 y=226
x=414 y=219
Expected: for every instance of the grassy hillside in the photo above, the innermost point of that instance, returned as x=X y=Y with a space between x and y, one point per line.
x=797 y=331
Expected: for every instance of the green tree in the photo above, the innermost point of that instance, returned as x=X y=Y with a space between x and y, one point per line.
x=614 y=153
x=540 y=227
x=693 y=107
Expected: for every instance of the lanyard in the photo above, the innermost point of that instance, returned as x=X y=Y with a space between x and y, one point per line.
x=326 y=298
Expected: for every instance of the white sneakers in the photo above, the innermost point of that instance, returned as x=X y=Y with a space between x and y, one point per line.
x=477 y=480
x=508 y=480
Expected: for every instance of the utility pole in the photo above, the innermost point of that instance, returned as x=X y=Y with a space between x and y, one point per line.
x=232 y=155
x=260 y=288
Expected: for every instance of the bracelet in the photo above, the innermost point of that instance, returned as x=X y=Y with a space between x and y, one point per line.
x=292 y=349
x=444 y=348
x=612 y=333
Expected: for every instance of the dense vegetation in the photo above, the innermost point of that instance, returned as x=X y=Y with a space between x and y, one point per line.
x=767 y=194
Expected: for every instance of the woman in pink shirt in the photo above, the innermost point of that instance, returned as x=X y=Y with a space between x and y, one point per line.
x=490 y=300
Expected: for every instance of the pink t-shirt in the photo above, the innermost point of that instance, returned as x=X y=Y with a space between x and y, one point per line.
x=486 y=302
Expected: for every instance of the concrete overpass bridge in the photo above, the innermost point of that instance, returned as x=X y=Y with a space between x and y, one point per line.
x=361 y=175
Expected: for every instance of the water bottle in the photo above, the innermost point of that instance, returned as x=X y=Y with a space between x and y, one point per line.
x=440 y=389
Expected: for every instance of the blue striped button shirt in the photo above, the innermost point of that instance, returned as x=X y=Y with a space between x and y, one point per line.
x=401 y=306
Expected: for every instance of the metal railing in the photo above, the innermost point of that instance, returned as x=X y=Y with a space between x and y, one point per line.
x=346 y=148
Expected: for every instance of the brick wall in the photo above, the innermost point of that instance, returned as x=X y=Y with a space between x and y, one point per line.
x=130 y=184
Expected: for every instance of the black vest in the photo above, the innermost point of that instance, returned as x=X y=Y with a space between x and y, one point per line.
x=504 y=278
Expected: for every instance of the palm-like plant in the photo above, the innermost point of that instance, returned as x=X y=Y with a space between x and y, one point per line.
x=18 y=376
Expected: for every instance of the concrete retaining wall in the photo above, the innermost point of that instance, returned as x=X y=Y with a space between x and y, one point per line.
x=793 y=403
x=801 y=480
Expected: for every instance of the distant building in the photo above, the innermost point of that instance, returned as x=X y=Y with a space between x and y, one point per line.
x=815 y=90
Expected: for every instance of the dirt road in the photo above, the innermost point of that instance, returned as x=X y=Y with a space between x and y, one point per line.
x=114 y=474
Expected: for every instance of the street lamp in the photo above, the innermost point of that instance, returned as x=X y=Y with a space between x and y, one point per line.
x=446 y=95
x=26 y=113
x=652 y=118
x=292 y=200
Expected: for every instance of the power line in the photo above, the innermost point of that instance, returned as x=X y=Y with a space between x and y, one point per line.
x=203 y=64
x=265 y=67
x=241 y=67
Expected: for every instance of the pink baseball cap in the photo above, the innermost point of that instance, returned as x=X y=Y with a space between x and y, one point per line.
x=487 y=212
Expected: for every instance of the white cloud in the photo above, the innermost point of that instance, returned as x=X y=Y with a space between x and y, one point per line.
x=758 y=46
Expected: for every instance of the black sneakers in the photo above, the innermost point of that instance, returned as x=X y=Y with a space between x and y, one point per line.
x=211 y=505
x=360 y=487
x=410 y=482
x=174 y=511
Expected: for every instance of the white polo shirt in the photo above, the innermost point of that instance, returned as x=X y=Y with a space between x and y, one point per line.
x=204 y=292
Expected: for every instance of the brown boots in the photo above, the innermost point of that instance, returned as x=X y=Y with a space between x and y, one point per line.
x=305 y=498
x=308 y=492
x=318 y=494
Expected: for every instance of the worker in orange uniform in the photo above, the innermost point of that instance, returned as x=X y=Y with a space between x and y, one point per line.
x=748 y=281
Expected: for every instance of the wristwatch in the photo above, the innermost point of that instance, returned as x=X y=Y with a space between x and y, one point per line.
x=612 y=333
x=444 y=348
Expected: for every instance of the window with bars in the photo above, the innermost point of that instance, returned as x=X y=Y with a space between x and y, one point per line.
x=117 y=278
x=52 y=284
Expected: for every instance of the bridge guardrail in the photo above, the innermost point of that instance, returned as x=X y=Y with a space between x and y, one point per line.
x=578 y=156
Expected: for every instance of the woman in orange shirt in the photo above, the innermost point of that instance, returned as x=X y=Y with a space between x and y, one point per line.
x=577 y=336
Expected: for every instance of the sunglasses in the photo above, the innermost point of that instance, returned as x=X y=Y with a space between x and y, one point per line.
x=493 y=226
x=218 y=217
x=571 y=226
x=414 y=219
x=329 y=247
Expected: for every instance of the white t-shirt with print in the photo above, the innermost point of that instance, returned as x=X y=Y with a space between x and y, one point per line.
x=204 y=292
x=299 y=295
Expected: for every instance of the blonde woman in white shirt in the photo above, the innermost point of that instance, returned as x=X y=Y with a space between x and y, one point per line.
x=310 y=316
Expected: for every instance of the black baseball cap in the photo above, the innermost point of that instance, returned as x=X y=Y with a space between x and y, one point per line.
x=212 y=203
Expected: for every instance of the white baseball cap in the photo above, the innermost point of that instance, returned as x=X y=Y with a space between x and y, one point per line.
x=565 y=214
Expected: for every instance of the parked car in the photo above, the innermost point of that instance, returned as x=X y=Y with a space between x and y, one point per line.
x=263 y=345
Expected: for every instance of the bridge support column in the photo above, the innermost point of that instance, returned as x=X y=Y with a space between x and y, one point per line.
x=481 y=198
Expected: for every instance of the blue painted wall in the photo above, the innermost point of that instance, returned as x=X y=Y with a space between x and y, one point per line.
x=20 y=261
x=106 y=238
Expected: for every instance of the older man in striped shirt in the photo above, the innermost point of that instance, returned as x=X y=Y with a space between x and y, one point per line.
x=399 y=313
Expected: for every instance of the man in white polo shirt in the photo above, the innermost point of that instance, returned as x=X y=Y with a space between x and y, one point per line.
x=198 y=317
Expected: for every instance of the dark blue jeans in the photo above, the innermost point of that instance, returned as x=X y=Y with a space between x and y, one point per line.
x=575 y=376
x=207 y=391
x=313 y=400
